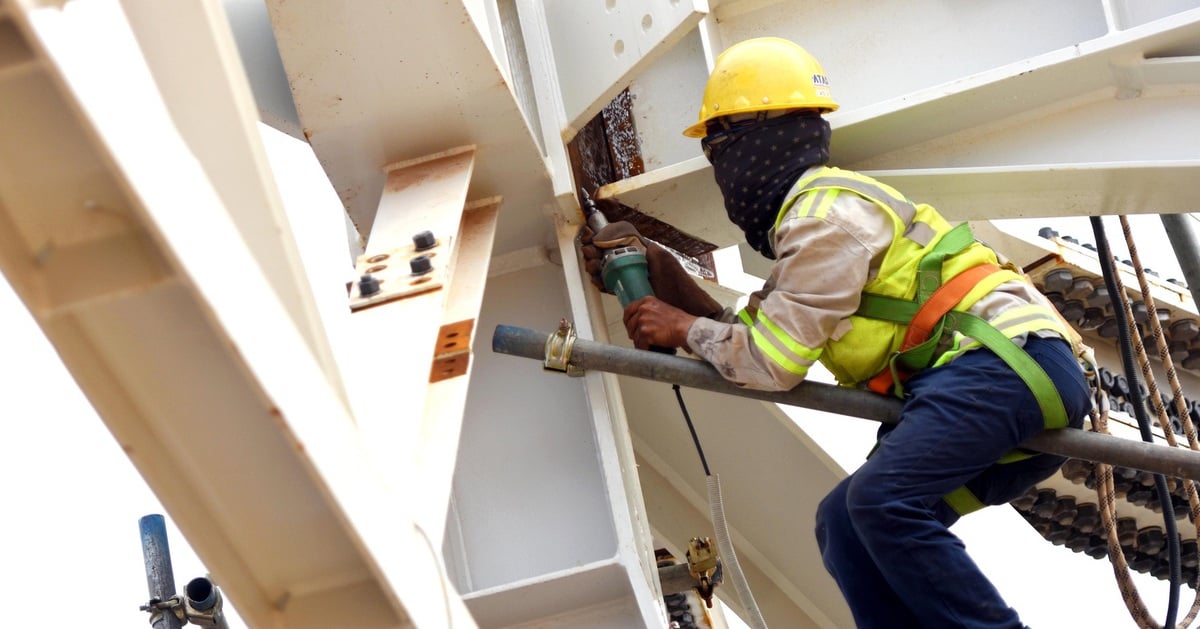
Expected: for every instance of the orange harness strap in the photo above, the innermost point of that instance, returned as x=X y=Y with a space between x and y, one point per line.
x=930 y=313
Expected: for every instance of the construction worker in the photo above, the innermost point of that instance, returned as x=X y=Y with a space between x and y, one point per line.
x=888 y=295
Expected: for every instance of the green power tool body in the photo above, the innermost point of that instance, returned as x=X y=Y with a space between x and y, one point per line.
x=623 y=270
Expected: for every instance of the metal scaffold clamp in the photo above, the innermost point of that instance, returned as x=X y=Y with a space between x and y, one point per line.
x=158 y=608
x=558 y=350
x=704 y=567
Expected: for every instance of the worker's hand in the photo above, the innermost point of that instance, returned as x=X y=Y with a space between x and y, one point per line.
x=651 y=321
x=593 y=244
x=670 y=282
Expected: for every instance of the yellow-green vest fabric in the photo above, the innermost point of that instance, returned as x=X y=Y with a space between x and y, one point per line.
x=862 y=352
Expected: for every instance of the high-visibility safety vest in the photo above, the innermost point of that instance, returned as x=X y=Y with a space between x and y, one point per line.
x=918 y=270
x=919 y=232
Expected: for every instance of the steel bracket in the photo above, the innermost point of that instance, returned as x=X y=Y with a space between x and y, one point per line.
x=393 y=272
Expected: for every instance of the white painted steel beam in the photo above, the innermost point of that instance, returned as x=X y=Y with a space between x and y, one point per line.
x=209 y=99
x=772 y=477
x=1042 y=82
x=181 y=343
x=446 y=397
x=1093 y=127
x=598 y=47
x=396 y=340
x=686 y=196
x=376 y=83
x=544 y=531
x=551 y=113
x=679 y=513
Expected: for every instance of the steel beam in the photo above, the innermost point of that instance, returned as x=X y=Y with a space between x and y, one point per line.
x=189 y=354
x=376 y=83
x=686 y=196
x=599 y=47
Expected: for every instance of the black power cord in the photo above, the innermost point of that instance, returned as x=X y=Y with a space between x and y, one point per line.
x=691 y=429
x=1139 y=411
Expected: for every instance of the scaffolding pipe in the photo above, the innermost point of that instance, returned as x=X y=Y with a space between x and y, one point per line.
x=697 y=374
x=1183 y=241
x=160 y=578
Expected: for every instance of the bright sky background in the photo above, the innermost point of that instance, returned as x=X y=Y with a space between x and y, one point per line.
x=72 y=552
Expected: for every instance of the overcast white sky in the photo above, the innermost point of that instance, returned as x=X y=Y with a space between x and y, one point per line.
x=72 y=553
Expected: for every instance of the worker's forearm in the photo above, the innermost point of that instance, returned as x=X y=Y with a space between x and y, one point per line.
x=730 y=348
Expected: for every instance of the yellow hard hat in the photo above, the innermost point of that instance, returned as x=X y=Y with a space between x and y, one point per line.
x=763 y=74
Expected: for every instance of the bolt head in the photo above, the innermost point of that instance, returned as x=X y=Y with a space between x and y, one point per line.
x=368 y=285
x=424 y=240
x=420 y=265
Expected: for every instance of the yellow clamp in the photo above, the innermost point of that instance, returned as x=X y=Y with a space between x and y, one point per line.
x=702 y=564
x=558 y=350
x=702 y=558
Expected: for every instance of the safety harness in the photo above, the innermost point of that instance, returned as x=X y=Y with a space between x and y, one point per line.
x=930 y=316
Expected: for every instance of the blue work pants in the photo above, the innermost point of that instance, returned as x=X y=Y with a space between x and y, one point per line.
x=884 y=531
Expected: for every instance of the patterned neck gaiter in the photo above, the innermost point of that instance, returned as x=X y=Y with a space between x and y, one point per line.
x=756 y=165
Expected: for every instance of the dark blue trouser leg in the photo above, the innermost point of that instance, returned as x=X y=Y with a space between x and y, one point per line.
x=871 y=599
x=884 y=532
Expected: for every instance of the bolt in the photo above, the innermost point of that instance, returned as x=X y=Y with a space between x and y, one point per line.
x=1140 y=313
x=1058 y=534
x=1087 y=517
x=424 y=240
x=420 y=265
x=1058 y=280
x=1065 y=511
x=1141 y=562
x=1080 y=288
x=1150 y=540
x=1045 y=504
x=1077 y=542
x=1193 y=360
x=1072 y=310
x=1076 y=470
x=1184 y=330
x=1188 y=554
x=1127 y=531
x=368 y=285
x=1097 y=547
x=1099 y=298
x=1092 y=318
x=1025 y=501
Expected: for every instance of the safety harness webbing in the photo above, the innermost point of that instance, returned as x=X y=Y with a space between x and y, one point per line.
x=925 y=322
x=921 y=352
x=930 y=316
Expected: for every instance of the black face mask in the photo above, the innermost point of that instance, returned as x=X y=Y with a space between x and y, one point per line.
x=756 y=163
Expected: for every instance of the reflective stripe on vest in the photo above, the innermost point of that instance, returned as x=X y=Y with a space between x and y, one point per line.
x=776 y=344
x=919 y=232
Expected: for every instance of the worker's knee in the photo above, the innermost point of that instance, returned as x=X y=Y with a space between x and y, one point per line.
x=868 y=499
x=831 y=514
